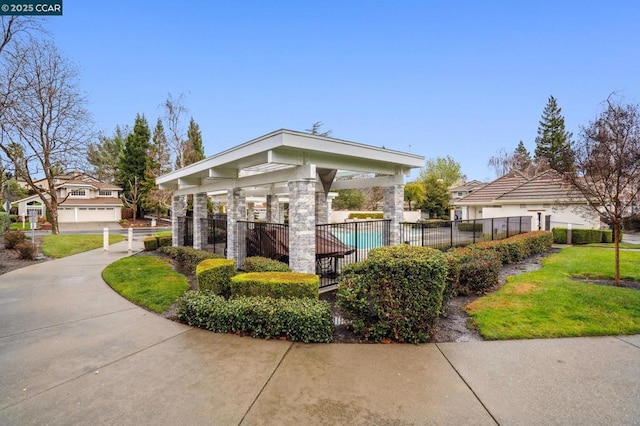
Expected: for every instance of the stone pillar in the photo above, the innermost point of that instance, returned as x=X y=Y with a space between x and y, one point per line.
x=200 y=221
x=302 y=226
x=393 y=210
x=273 y=209
x=322 y=208
x=281 y=212
x=177 y=225
x=251 y=213
x=236 y=210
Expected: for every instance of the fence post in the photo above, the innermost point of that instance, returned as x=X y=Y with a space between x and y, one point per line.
x=130 y=240
x=473 y=231
x=105 y=239
x=451 y=223
x=355 y=239
x=507 y=227
x=492 y=229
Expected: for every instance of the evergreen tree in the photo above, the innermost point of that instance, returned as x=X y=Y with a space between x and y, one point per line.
x=133 y=163
x=104 y=155
x=522 y=157
x=158 y=163
x=553 y=142
x=194 y=149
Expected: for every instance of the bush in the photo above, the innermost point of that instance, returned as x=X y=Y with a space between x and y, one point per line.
x=607 y=236
x=5 y=221
x=479 y=269
x=26 y=250
x=150 y=243
x=276 y=284
x=303 y=320
x=469 y=227
x=264 y=264
x=188 y=257
x=13 y=238
x=559 y=235
x=164 y=240
x=366 y=215
x=396 y=293
x=215 y=275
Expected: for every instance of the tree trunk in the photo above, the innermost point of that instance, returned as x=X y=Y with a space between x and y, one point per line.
x=616 y=248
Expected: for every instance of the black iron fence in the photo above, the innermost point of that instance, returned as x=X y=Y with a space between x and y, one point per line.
x=264 y=239
x=216 y=226
x=187 y=226
x=444 y=235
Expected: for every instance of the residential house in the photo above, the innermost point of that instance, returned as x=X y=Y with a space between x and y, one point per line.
x=86 y=199
x=546 y=198
x=460 y=191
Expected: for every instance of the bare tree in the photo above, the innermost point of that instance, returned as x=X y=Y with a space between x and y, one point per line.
x=133 y=196
x=45 y=127
x=315 y=129
x=174 y=111
x=607 y=165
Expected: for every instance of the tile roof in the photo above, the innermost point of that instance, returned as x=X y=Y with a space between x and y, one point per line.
x=547 y=186
x=473 y=184
x=495 y=189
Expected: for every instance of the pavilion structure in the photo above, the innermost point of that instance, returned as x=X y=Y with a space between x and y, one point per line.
x=300 y=166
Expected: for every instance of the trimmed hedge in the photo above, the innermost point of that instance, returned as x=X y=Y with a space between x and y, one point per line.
x=366 y=215
x=188 y=257
x=164 y=241
x=470 y=227
x=396 y=293
x=582 y=236
x=13 y=238
x=215 y=275
x=276 y=285
x=302 y=320
x=479 y=269
x=264 y=264
x=150 y=243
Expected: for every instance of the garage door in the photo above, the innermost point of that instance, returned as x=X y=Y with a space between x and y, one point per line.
x=86 y=214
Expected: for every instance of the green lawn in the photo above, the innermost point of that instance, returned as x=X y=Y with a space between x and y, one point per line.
x=69 y=244
x=147 y=281
x=548 y=303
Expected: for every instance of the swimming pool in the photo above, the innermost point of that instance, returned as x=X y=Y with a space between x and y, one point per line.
x=365 y=239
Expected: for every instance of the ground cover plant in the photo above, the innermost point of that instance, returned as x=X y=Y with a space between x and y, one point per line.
x=551 y=302
x=63 y=245
x=147 y=281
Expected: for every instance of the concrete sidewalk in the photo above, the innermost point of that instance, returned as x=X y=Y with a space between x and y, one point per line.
x=74 y=352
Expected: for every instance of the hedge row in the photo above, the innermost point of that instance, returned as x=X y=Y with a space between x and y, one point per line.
x=519 y=247
x=215 y=275
x=303 y=320
x=366 y=215
x=188 y=258
x=472 y=270
x=264 y=264
x=582 y=236
x=396 y=293
x=152 y=243
x=276 y=285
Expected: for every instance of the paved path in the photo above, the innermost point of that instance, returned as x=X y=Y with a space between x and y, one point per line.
x=74 y=352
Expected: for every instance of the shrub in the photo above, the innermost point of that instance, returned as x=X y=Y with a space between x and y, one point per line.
x=164 y=240
x=537 y=241
x=303 y=320
x=366 y=215
x=479 y=269
x=5 y=220
x=559 y=235
x=276 y=284
x=26 y=250
x=215 y=274
x=150 y=243
x=586 y=236
x=264 y=264
x=607 y=236
x=469 y=227
x=188 y=257
x=13 y=238
x=396 y=293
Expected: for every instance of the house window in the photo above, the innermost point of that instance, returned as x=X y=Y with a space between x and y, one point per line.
x=105 y=193
x=78 y=193
x=459 y=194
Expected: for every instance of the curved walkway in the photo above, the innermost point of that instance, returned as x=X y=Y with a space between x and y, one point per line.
x=74 y=352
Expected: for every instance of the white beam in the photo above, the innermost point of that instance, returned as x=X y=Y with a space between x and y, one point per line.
x=367 y=183
x=223 y=173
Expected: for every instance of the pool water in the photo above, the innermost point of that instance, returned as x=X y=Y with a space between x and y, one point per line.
x=361 y=240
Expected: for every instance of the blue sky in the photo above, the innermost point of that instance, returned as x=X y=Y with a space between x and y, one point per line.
x=436 y=78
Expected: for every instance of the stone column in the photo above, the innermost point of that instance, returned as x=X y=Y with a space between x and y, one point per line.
x=281 y=212
x=251 y=213
x=200 y=221
x=322 y=208
x=177 y=225
x=393 y=210
x=302 y=226
x=273 y=209
x=236 y=210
